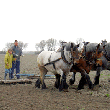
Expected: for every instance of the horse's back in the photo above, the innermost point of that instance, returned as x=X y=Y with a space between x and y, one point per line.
x=45 y=56
x=91 y=47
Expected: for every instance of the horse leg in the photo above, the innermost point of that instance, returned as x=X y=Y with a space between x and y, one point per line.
x=57 y=83
x=84 y=77
x=81 y=83
x=63 y=84
x=89 y=81
x=72 y=80
x=43 y=72
x=96 y=79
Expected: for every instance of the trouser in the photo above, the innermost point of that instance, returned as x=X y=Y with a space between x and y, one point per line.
x=15 y=65
x=7 y=71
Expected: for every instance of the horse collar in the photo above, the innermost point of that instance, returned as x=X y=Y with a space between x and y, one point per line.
x=63 y=56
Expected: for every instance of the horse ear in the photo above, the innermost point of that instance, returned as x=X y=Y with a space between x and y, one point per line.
x=77 y=45
x=98 y=46
x=71 y=45
x=85 y=43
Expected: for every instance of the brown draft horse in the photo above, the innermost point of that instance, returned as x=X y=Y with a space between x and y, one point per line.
x=84 y=65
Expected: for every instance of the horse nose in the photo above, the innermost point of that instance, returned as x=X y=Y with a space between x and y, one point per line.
x=76 y=62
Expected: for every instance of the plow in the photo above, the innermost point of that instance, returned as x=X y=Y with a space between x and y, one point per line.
x=28 y=80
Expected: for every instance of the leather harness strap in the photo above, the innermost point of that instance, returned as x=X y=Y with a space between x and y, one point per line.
x=53 y=62
x=62 y=57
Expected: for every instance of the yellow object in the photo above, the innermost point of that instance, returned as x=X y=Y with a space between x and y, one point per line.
x=8 y=60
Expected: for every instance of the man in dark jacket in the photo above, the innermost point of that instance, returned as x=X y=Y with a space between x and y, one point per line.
x=17 y=52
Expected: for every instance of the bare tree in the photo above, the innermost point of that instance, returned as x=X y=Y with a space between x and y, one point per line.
x=51 y=43
x=42 y=45
x=9 y=45
x=61 y=42
x=37 y=46
x=80 y=42
x=3 y=51
x=22 y=45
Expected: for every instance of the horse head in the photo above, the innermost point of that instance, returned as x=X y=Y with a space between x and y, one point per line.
x=69 y=51
x=93 y=52
x=98 y=52
x=76 y=55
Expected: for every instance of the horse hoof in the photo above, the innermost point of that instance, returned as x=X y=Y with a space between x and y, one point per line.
x=66 y=86
x=71 y=81
x=96 y=84
x=91 y=87
x=60 y=88
x=56 y=85
x=65 y=90
x=44 y=86
x=37 y=84
x=79 y=88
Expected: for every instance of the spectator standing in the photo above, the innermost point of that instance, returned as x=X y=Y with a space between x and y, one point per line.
x=17 y=52
x=8 y=63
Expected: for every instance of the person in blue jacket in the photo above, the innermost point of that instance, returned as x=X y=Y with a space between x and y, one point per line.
x=17 y=52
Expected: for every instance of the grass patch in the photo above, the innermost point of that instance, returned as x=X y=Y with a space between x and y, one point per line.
x=108 y=75
x=107 y=95
x=82 y=109
x=67 y=107
x=2 y=97
x=91 y=93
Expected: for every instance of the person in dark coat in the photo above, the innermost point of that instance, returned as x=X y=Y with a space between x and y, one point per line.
x=17 y=52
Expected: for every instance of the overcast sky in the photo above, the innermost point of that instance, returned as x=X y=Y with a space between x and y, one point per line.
x=31 y=21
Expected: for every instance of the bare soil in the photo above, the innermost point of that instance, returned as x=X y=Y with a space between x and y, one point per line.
x=27 y=97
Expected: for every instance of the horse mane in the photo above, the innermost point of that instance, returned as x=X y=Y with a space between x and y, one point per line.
x=68 y=46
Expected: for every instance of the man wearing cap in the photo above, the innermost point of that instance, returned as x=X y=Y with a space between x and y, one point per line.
x=17 y=52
